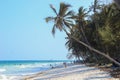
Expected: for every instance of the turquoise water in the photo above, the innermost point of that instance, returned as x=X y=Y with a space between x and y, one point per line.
x=26 y=67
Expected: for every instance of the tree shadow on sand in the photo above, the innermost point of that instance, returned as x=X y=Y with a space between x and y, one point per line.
x=62 y=74
x=101 y=76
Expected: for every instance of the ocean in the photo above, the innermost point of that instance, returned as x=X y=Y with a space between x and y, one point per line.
x=26 y=67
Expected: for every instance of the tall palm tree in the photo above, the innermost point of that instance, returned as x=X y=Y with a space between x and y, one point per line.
x=80 y=22
x=81 y=25
x=62 y=20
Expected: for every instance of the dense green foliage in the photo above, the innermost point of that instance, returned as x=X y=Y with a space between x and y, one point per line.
x=98 y=27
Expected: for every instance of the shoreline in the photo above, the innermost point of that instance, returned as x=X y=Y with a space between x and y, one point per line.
x=15 y=70
x=71 y=72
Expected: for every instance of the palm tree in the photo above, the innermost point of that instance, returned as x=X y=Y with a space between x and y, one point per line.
x=81 y=22
x=76 y=48
x=62 y=20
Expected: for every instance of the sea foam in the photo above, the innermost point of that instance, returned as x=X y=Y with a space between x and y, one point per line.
x=2 y=70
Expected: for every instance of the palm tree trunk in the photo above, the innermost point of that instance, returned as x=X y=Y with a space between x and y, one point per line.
x=92 y=49
x=86 y=40
x=96 y=51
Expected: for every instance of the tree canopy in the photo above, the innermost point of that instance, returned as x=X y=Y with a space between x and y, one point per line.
x=88 y=34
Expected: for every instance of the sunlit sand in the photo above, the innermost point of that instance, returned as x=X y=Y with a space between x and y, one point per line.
x=73 y=72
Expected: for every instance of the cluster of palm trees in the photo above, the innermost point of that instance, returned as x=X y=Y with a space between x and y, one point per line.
x=92 y=35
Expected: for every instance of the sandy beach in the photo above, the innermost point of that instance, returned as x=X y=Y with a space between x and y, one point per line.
x=71 y=72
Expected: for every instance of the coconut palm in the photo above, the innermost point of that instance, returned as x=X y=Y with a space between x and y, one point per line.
x=62 y=20
x=81 y=25
x=77 y=50
x=80 y=22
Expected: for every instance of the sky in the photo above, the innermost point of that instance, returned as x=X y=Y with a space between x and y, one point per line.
x=24 y=34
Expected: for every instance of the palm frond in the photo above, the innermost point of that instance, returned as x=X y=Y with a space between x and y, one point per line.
x=69 y=21
x=69 y=13
x=63 y=8
x=53 y=30
x=67 y=24
x=48 y=19
x=51 y=6
x=70 y=56
x=59 y=24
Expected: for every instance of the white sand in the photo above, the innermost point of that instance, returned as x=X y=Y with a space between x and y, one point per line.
x=74 y=72
x=4 y=77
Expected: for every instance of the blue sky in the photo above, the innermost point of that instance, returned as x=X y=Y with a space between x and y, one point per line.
x=24 y=34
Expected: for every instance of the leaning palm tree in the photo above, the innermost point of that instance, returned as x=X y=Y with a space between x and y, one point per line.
x=62 y=20
x=76 y=48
